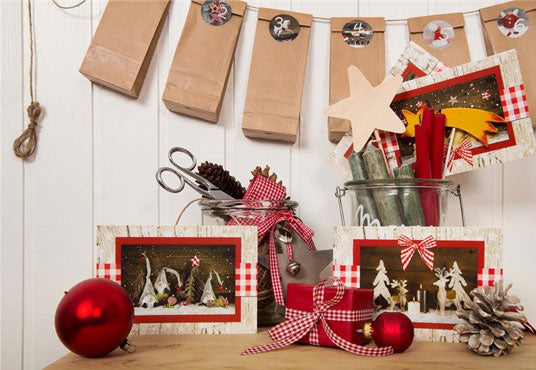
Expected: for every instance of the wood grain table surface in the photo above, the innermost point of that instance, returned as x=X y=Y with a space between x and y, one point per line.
x=223 y=352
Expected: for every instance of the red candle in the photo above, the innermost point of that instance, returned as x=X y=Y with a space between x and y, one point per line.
x=438 y=146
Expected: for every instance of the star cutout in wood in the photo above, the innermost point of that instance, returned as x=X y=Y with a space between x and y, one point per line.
x=367 y=107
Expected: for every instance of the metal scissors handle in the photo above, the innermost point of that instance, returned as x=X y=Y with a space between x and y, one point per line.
x=211 y=190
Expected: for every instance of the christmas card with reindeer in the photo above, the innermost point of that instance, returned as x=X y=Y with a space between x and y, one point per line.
x=484 y=104
x=183 y=279
x=423 y=272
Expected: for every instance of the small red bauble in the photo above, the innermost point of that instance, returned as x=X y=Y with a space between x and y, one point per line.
x=220 y=287
x=391 y=329
x=94 y=317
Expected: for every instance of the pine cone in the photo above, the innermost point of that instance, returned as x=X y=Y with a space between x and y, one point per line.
x=266 y=173
x=494 y=324
x=221 y=178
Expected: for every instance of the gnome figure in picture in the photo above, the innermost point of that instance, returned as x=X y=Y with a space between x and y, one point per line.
x=148 y=298
x=440 y=39
x=208 y=297
x=511 y=21
x=161 y=284
x=172 y=299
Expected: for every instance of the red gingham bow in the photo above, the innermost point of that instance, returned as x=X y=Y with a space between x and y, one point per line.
x=297 y=326
x=423 y=248
x=463 y=151
x=262 y=188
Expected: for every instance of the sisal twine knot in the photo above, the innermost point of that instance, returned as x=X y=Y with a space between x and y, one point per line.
x=24 y=146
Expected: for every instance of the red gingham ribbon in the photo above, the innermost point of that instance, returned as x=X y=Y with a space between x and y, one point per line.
x=514 y=103
x=349 y=275
x=246 y=279
x=262 y=188
x=302 y=323
x=423 y=248
x=489 y=276
x=462 y=151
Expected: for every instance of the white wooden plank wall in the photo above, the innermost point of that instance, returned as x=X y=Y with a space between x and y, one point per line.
x=98 y=152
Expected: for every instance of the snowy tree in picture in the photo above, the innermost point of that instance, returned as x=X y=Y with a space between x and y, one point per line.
x=457 y=283
x=381 y=284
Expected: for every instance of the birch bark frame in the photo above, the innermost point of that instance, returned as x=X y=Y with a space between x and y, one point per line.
x=105 y=252
x=414 y=59
x=345 y=238
x=523 y=136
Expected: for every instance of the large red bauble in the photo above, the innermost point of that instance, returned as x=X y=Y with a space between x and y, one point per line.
x=393 y=329
x=94 y=317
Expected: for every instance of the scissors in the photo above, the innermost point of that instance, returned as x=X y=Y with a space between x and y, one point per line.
x=211 y=191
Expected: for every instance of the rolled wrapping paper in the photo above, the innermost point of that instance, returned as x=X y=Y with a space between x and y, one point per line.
x=438 y=146
x=410 y=198
x=428 y=117
x=363 y=197
x=424 y=171
x=387 y=201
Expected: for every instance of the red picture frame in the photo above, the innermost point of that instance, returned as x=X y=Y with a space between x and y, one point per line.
x=495 y=71
x=214 y=241
x=478 y=244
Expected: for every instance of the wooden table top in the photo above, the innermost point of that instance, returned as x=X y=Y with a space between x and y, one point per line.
x=223 y=351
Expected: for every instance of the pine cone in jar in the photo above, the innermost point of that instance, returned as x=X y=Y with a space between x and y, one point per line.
x=221 y=178
x=494 y=321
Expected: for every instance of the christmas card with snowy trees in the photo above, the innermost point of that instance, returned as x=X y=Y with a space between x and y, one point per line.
x=424 y=272
x=183 y=279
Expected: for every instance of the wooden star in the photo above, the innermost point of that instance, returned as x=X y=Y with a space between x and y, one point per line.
x=367 y=107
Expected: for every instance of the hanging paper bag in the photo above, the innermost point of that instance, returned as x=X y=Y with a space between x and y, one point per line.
x=272 y=108
x=443 y=36
x=359 y=42
x=122 y=47
x=202 y=63
x=512 y=25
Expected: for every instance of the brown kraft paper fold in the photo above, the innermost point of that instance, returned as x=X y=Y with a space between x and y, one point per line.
x=273 y=99
x=201 y=66
x=370 y=59
x=123 y=45
x=457 y=52
x=496 y=42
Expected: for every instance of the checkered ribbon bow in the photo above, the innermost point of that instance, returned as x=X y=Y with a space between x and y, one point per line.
x=298 y=326
x=262 y=188
x=423 y=248
x=462 y=151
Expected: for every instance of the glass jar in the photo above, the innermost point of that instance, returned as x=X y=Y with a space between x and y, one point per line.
x=409 y=202
x=220 y=212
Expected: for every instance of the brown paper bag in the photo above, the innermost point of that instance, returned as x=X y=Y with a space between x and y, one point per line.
x=523 y=41
x=370 y=59
x=200 y=68
x=448 y=44
x=122 y=47
x=273 y=99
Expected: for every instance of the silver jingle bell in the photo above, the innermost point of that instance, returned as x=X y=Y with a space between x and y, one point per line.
x=293 y=268
x=283 y=234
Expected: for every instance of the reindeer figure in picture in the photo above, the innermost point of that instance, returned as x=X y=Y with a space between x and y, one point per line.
x=399 y=299
x=443 y=299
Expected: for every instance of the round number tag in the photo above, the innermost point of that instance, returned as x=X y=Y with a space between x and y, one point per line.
x=438 y=34
x=216 y=12
x=513 y=22
x=284 y=27
x=357 y=33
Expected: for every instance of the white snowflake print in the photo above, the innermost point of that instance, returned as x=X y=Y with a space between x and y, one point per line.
x=486 y=95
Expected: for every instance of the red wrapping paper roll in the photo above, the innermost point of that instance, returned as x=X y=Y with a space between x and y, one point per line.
x=424 y=171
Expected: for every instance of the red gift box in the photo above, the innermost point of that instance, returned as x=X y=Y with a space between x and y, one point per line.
x=351 y=312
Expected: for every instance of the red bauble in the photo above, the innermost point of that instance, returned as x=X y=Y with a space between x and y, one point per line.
x=393 y=329
x=94 y=317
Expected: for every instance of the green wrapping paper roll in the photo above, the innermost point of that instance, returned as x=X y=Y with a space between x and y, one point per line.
x=363 y=197
x=387 y=201
x=410 y=198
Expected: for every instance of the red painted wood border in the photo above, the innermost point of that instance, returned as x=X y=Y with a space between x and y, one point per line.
x=479 y=244
x=215 y=241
